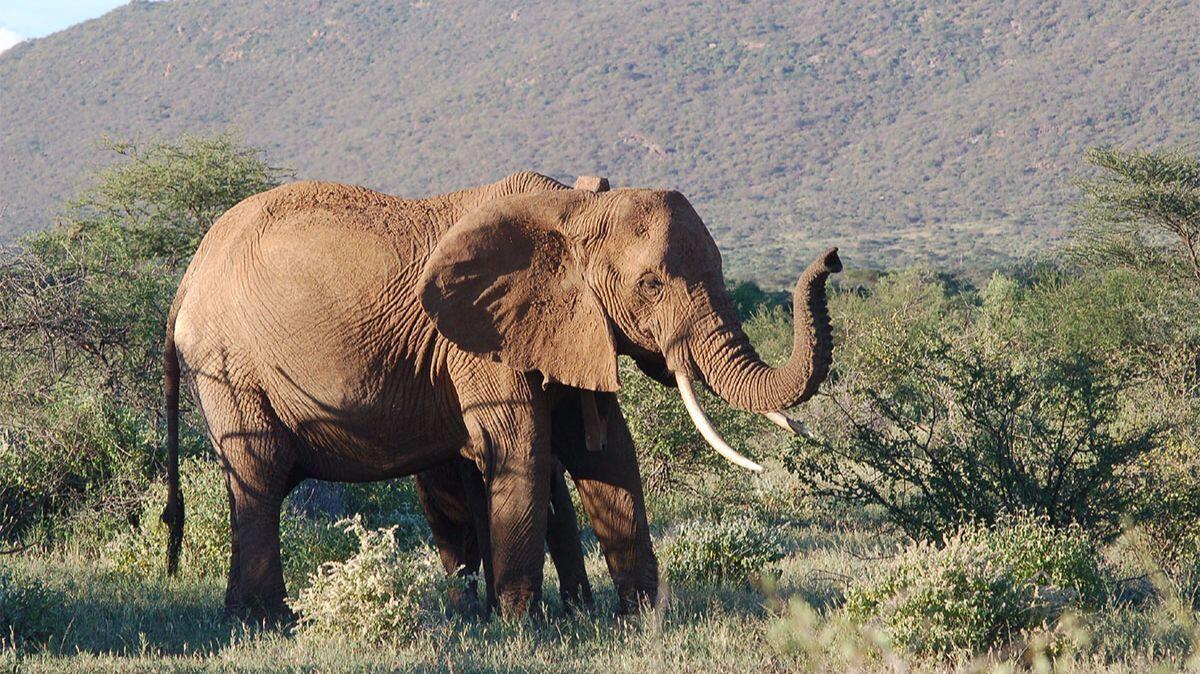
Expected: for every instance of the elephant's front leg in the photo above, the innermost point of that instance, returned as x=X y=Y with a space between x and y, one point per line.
x=508 y=420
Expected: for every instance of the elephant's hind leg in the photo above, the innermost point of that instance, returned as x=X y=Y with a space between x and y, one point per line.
x=451 y=523
x=258 y=457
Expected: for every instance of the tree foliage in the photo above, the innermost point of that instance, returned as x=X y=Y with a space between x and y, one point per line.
x=1143 y=212
x=90 y=296
x=82 y=314
x=941 y=413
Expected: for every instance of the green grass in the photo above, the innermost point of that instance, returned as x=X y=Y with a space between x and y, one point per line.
x=118 y=622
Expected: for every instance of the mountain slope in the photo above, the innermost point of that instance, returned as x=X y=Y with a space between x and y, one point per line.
x=901 y=130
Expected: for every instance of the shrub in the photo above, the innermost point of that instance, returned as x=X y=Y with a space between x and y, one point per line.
x=82 y=309
x=28 y=610
x=827 y=642
x=1168 y=512
x=981 y=586
x=384 y=502
x=939 y=416
x=736 y=547
x=72 y=446
x=379 y=593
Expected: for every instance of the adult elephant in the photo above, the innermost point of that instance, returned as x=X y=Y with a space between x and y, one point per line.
x=334 y=332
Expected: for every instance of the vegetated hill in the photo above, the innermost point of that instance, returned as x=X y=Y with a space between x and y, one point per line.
x=902 y=131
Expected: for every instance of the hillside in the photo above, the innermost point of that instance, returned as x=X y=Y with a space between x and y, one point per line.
x=902 y=131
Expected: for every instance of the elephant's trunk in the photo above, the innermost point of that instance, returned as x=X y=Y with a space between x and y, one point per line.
x=736 y=373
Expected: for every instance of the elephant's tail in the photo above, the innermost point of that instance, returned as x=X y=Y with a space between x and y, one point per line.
x=172 y=515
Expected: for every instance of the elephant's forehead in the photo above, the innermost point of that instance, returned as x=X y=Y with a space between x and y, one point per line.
x=663 y=231
x=687 y=249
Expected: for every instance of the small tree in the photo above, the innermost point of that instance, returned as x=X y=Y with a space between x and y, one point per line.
x=82 y=313
x=939 y=417
x=1143 y=212
x=91 y=295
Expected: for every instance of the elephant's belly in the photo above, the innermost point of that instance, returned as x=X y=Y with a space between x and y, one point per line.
x=365 y=444
x=360 y=420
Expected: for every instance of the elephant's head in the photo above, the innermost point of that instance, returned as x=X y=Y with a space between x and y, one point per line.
x=561 y=281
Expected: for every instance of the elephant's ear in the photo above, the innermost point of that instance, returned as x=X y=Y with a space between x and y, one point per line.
x=504 y=283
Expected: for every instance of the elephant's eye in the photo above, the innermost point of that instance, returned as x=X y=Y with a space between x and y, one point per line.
x=650 y=285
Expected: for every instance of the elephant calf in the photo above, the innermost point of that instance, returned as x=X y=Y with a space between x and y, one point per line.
x=333 y=332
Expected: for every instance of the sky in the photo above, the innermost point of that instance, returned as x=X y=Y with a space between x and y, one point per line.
x=23 y=19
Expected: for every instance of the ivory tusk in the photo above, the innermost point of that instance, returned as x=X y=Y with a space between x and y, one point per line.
x=789 y=424
x=688 y=393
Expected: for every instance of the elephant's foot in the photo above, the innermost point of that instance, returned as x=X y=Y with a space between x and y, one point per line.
x=463 y=599
x=637 y=600
x=271 y=614
x=520 y=603
x=576 y=596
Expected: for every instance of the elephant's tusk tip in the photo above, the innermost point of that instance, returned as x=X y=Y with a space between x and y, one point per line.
x=789 y=424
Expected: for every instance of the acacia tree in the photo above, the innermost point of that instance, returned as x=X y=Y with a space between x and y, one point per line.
x=946 y=408
x=1142 y=212
x=91 y=294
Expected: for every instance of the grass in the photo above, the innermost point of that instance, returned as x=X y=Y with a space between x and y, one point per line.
x=112 y=621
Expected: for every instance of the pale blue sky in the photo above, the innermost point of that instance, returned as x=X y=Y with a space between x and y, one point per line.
x=37 y=18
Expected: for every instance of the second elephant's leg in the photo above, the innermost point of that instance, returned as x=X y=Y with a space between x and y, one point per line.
x=454 y=533
x=562 y=539
x=475 y=496
x=562 y=535
x=610 y=486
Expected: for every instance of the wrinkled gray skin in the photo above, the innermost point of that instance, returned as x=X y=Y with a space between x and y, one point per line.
x=337 y=333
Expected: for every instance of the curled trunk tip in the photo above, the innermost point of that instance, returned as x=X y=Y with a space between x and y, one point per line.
x=739 y=376
x=828 y=263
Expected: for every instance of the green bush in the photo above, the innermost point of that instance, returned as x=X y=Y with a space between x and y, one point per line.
x=307 y=542
x=82 y=309
x=29 y=611
x=72 y=446
x=981 y=586
x=1168 y=514
x=734 y=548
x=944 y=410
x=379 y=593
x=383 y=503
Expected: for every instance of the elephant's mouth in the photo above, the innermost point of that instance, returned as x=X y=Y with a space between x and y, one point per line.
x=655 y=366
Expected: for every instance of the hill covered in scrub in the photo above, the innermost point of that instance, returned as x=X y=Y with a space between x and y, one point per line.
x=902 y=131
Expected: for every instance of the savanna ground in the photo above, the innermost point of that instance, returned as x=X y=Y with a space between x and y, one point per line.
x=1003 y=472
